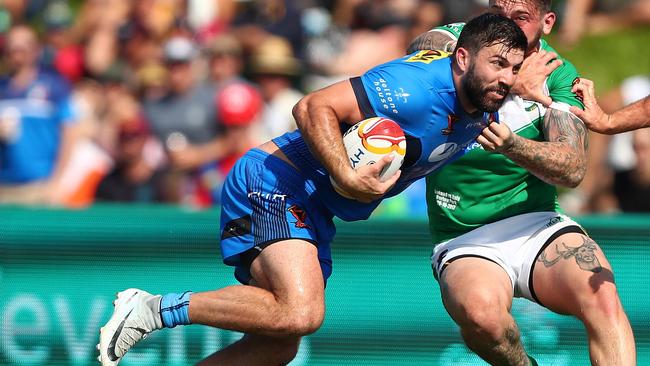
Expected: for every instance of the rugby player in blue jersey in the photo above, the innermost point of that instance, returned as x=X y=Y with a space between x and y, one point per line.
x=278 y=201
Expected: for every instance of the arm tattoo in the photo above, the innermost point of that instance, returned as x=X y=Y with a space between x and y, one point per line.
x=431 y=40
x=561 y=159
x=585 y=255
x=565 y=127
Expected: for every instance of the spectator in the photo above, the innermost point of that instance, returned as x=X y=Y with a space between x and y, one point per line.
x=37 y=124
x=185 y=120
x=239 y=106
x=273 y=67
x=608 y=155
x=225 y=55
x=632 y=187
x=152 y=79
x=359 y=36
x=139 y=173
x=259 y=19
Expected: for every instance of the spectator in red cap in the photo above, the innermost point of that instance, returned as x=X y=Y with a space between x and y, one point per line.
x=68 y=61
x=239 y=106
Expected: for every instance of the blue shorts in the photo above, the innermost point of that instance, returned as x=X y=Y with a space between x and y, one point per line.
x=265 y=200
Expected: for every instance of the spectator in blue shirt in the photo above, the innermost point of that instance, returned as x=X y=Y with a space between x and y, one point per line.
x=36 y=124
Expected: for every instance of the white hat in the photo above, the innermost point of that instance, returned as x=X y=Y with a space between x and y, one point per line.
x=179 y=49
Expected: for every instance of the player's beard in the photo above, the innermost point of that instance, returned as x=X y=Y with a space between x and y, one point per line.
x=477 y=91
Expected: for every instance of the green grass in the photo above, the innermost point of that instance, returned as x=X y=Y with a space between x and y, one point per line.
x=610 y=58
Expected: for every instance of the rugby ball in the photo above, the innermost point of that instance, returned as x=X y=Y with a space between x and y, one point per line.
x=370 y=140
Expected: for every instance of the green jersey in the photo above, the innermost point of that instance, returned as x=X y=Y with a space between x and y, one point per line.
x=483 y=187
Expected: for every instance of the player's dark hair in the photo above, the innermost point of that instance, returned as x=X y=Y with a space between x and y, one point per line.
x=488 y=29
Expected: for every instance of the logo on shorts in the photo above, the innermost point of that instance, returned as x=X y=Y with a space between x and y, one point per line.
x=554 y=220
x=441 y=256
x=238 y=227
x=300 y=215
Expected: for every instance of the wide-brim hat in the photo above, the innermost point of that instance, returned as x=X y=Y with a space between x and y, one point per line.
x=224 y=44
x=275 y=57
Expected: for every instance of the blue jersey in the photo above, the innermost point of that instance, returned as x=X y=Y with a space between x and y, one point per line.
x=417 y=92
x=32 y=119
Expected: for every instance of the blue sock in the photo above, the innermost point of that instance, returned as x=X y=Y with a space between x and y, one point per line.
x=174 y=309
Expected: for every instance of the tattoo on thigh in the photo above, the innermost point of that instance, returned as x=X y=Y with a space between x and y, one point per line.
x=585 y=255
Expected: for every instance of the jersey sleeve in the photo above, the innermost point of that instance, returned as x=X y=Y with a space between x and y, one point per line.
x=395 y=90
x=561 y=81
x=452 y=30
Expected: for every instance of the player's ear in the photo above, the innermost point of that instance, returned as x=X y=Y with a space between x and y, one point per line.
x=463 y=58
x=548 y=20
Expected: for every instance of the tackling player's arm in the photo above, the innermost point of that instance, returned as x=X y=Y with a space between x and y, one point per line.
x=561 y=160
x=318 y=116
x=631 y=117
x=433 y=40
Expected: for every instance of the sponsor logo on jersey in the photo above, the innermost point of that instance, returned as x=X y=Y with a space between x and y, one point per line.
x=455 y=28
x=385 y=95
x=402 y=94
x=443 y=151
x=427 y=56
x=451 y=119
x=578 y=97
x=532 y=107
x=300 y=215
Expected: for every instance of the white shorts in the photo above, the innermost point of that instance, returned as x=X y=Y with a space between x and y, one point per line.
x=513 y=243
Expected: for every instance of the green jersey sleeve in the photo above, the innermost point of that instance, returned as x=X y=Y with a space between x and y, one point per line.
x=453 y=29
x=561 y=80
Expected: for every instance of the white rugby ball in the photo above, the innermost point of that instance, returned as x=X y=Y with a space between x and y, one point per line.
x=370 y=140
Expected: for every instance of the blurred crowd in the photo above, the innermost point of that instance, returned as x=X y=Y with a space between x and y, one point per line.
x=154 y=100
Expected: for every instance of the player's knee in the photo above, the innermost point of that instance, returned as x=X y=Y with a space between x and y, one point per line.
x=483 y=318
x=301 y=322
x=602 y=304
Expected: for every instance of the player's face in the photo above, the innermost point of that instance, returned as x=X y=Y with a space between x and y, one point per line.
x=490 y=75
x=528 y=16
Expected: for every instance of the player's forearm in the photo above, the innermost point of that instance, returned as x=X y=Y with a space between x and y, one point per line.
x=632 y=117
x=319 y=126
x=432 y=40
x=561 y=160
x=555 y=163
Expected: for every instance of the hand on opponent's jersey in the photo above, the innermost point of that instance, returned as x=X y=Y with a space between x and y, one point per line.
x=534 y=71
x=363 y=184
x=496 y=137
x=593 y=116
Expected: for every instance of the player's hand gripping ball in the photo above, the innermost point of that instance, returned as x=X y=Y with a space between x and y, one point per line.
x=370 y=140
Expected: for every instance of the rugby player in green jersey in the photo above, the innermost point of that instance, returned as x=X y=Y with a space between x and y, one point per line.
x=495 y=218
